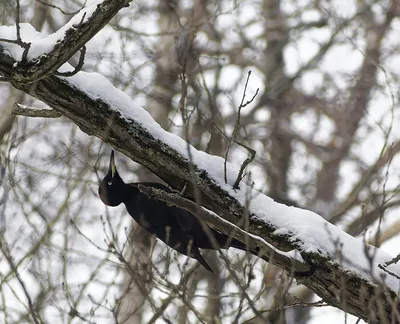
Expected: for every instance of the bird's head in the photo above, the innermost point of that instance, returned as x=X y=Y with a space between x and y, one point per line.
x=111 y=188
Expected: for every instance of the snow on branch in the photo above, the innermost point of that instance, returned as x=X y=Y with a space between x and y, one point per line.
x=43 y=55
x=26 y=111
x=343 y=270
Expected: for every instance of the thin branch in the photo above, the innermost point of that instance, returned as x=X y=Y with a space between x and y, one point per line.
x=78 y=66
x=11 y=41
x=26 y=47
x=384 y=157
x=27 y=111
x=392 y=261
x=60 y=9
x=232 y=139
x=297 y=303
x=75 y=37
x=7 y=255
x=19 y=41
x=383 y=267
x=17 y=26
x=174 y=294
x=244 y=164
x=390 y=232
x=4 y=158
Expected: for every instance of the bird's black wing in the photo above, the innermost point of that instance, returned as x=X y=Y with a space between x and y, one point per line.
x=197 y=255
x=185 y=219
x=202 y=233
x=180 y=240
x=174 y=226
x=192 y=227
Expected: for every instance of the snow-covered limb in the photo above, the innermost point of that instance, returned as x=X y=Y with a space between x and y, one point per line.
x=43 y=55
x=343 y=270
x=26 y=111
x=292 y=262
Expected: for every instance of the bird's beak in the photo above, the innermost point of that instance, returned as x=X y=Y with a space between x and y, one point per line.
x=111 y=167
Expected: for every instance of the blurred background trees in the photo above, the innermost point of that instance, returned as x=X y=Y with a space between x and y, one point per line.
x=323 y=125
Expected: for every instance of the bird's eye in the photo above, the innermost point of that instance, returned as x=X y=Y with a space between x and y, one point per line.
x=109 y=183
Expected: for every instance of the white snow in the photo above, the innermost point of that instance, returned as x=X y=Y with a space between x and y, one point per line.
x=311 y=231
x=40 y=42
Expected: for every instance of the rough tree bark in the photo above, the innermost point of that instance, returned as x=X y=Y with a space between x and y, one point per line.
x=337 y=286
x=323 y=276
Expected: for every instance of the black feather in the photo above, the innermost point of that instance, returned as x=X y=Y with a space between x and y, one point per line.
x=176 y=227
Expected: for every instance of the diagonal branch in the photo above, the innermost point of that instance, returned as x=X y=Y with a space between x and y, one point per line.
x=339 y=280
x=73 y=37
x=26 y=111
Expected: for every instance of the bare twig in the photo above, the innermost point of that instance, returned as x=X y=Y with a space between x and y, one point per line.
x=393 y=261
x=26 y=111
x=4 y=157
x=297 y=303
x=385 y=156
x=388 y=233
x=7 y=255
x=17 y=26
x=60 y=9
x=19 y=41
x=383 y=267
x=182 y=104
x=11 y=41
x=244 y=164
x=78 y=66
x=75 y=38
x=232 y=139
x=175 y=294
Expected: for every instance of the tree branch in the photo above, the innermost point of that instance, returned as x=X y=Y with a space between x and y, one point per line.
x=4 y=249
x=26 y=111
x=75 y=38
x=342 y=287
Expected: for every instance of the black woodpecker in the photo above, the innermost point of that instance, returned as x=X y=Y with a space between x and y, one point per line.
x=176 y=227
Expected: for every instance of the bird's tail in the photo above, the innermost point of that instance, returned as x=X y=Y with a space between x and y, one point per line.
x=197 y=255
